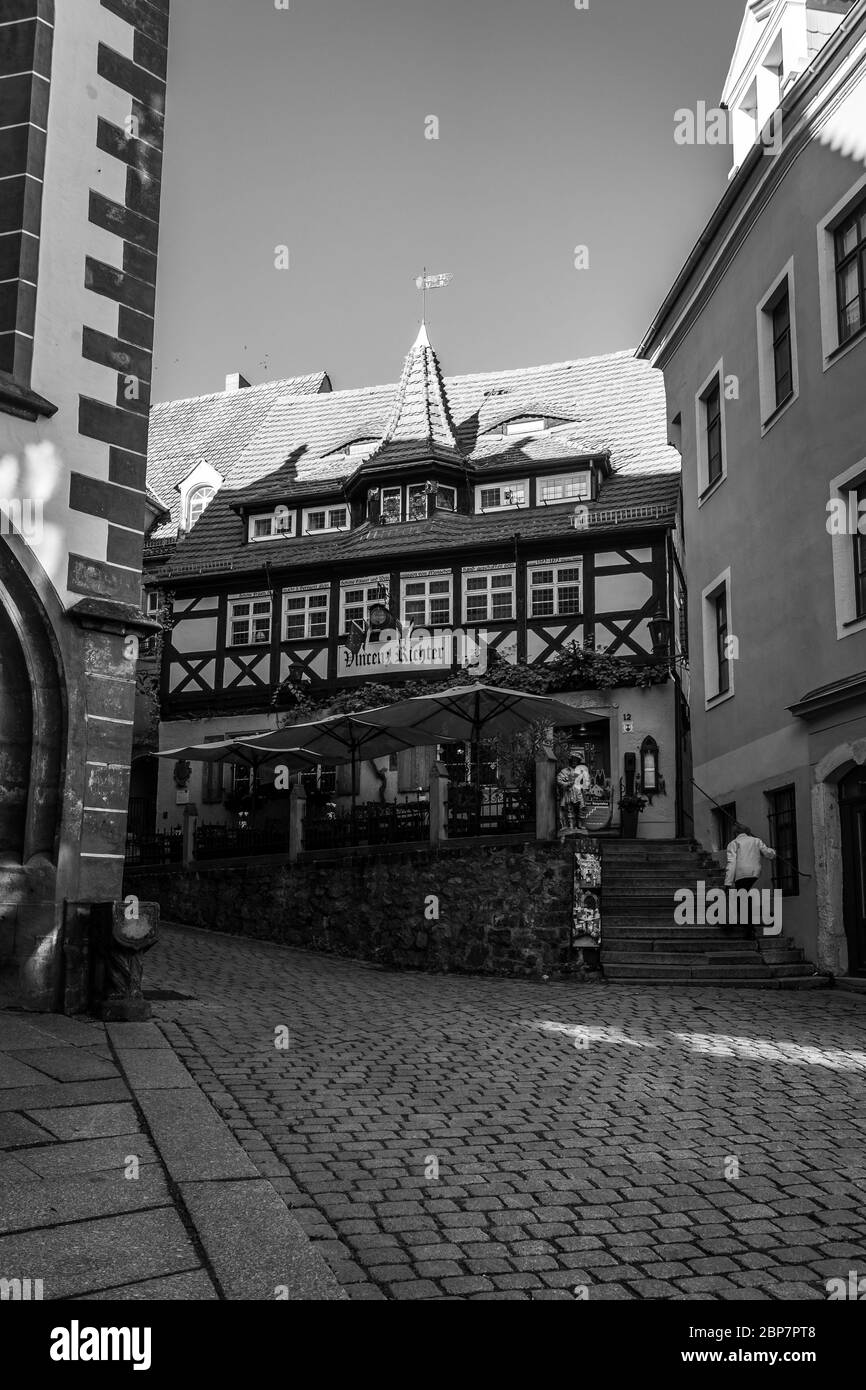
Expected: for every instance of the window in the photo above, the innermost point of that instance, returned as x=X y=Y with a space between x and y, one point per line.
x=842 y=274
x=417 y=495
x=325 y=519
x=427 y=601
x=860 y=561
x=356 y=599
x=306 y=615
x=782 y=349
x=199 y=499
x=710 y=431
x=249 y=621
x=850 y=258
x=361 y=446
x=152 y=602
x=778 y=377
x=724 y=820
x=782 y=817
x=847 y=493
x=713 y=426
x=213 y=776
x=488 y=597
x=723 y=675
x=524 y=426
x=719 y=646
x=280 y=522
x=392 y=504
x=446 y=499
x=564 y=487
x=496 y=497
x=554 y=590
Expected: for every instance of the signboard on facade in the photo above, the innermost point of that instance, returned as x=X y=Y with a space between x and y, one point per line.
x=404 y=653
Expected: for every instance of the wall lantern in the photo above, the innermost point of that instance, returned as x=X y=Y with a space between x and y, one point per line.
x=660 y=632
x=651 y=781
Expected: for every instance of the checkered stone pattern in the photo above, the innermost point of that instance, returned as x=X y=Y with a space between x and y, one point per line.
x=591 y=1141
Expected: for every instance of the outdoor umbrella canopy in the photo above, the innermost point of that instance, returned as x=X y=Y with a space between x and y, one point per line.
x=234 y=751
x=470 y=712
x=343 y=738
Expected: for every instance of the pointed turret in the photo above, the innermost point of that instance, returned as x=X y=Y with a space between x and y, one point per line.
x=420 y=425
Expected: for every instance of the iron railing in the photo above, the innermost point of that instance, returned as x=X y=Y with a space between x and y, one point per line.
x=374 y=823
x=240 y=841
x=474 y=811
x=158 y=847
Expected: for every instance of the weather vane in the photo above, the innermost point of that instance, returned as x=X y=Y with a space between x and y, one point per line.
x=425 y=282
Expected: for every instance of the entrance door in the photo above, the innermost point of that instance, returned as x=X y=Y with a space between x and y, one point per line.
x=852 y=809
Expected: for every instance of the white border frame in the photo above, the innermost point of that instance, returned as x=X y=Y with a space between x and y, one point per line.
x=708 y=636
x=844 y=599
x=831 y=349
x=705 y=490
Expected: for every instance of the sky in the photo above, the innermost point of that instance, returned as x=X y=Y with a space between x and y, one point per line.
x=306 y=128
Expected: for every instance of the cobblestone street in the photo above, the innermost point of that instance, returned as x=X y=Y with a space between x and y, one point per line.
x=463 y=1137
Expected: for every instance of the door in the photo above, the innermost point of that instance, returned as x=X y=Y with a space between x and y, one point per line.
x=852 y=809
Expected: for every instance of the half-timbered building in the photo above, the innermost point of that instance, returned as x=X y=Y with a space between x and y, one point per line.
x=504 y=515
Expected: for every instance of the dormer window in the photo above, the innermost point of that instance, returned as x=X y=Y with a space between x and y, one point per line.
x=564 y=487
x=320 y=519
x=360 y=446
x=526 y=425
x=279 y=522
x=500 y=497
x=197 y=504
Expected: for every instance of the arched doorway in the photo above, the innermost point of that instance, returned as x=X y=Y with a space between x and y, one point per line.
x=16 y=742
x=852 y=813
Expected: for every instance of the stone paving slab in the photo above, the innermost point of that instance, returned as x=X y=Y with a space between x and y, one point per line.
x=17 y=1034
x=85 y=1121
x=28 y=1206
x=100 y=1254
x=61 y=1094
x=254 y=1244
x=193 y=1141
x=86 y=1155
x=77 y=1032
x=194 y=1287
x=65 y=1064
x=17 y=1131
x=135 y=1035
x=607 y=1164
x=153 y=1069
x=16 y=1073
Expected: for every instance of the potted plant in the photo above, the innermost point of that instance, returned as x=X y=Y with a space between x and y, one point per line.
x=630 y=807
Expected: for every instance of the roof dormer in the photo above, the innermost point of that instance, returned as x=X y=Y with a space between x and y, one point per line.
x=197 y=490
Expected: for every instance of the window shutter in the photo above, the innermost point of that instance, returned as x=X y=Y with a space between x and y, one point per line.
x=414 y=767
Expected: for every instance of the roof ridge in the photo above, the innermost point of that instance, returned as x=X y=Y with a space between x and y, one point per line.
x=245 y=392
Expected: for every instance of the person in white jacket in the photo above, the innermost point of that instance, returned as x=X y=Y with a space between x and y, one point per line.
x=745 y=853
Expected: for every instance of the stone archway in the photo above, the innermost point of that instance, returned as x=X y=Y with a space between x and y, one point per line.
x=33 y=724
x=827 y=840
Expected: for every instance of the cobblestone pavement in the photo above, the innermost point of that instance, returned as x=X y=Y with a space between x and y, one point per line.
x=592 y=1141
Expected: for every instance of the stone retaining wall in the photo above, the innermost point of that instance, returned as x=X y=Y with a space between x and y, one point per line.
x=502 y=910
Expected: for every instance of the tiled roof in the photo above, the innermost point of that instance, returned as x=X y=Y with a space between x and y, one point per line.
x=281 y=441
x=216 y=428
x=625 y=504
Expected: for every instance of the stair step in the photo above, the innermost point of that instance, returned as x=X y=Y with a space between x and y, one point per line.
x=692 y=970
x=679 y=959
x=632 y=931
x=853 y=984
x=682 y=982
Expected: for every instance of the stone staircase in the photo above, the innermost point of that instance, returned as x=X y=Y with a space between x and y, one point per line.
x=641 y=942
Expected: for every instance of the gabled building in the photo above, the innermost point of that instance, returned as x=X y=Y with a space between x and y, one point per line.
x=762 y=341
x=522 y=510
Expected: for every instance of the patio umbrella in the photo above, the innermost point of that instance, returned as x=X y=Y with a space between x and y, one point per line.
x=233 y=751
x=344 y=738
x=468 y=713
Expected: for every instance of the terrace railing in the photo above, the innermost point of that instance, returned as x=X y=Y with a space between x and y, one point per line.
x=373 y=823
x=157 y=848
x=474 y=811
